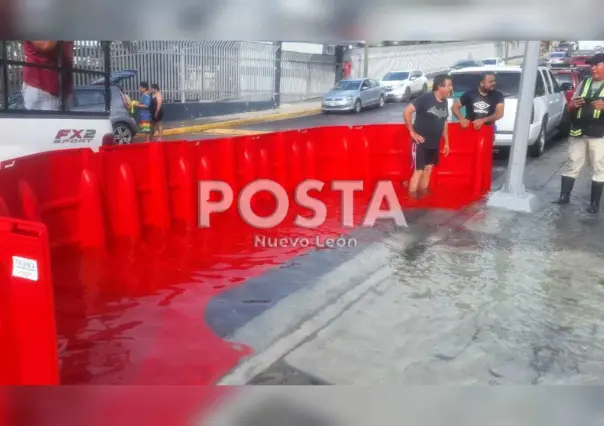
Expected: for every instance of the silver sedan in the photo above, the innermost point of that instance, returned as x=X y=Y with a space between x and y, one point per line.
x=354 y=95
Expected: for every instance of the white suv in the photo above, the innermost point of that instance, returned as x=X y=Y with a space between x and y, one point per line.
x=402 y=85
x=549 y=105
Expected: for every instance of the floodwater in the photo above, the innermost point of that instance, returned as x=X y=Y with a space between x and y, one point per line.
x=500 y=299
x=135 y=314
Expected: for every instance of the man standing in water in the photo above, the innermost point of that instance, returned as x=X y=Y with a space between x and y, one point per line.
x=484 y=105
x=430 y=126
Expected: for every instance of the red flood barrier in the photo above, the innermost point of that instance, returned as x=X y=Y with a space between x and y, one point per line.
x=82 y=233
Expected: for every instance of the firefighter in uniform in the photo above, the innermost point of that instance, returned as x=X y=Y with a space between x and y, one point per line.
x=586 y=142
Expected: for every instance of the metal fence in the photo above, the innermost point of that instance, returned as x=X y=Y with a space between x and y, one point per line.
x=210 y=71
x=204 y=71
x=431 y=58
x=192 y=71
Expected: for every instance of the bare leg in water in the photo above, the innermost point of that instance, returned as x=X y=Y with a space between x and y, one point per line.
x=160 y=130
x=420 y=182
x=424 y=183
x=414 y=183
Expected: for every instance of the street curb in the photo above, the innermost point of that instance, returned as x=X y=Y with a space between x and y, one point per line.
x=249 y=368
x=241 y=122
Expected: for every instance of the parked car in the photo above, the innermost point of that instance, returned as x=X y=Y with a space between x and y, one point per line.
x=402 y=85
x=555 y=58
x=92 y=98
x=549 y=105
x=566 y=46
x=465 y=63
x=570 y=78
x=579 y=61
x=354 y=95
x=493 y=61
x=124 y=124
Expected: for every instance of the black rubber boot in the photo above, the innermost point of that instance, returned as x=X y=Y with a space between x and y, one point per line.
x=566 y=188
x=596 y=194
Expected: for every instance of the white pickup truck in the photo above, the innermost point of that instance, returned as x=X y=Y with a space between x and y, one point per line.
x=25 y=132
x=549 y=105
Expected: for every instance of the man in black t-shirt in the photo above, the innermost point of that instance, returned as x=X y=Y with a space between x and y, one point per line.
x=430 y=126
x=484 y=105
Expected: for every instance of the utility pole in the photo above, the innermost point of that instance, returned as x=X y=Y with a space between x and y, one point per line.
x=277 y=82
x=513 y=195
x=366 y=62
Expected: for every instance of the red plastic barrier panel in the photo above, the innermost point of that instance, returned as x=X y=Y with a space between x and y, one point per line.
x=464 y=175
x=125 y=235
x=27 y=321
x=115 y=405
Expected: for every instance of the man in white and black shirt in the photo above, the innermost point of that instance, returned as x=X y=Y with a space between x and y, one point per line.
x=484 y=104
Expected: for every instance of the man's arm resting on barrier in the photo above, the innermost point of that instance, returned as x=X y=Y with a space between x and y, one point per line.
x=498 y=115
x=456 y=108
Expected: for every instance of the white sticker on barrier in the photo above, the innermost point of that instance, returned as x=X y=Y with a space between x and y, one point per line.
x=25 y=268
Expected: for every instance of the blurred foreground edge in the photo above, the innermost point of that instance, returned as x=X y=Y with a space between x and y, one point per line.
x=301 y=405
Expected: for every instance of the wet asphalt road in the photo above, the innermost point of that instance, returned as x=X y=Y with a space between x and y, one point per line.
x=390 y=113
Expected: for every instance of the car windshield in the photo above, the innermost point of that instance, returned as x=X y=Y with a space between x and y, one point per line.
x=396 y=76
x=508 y=83
x=564 y=78
x=348 y=85
x=557 y=55
x=489 y=61
x=464 y=63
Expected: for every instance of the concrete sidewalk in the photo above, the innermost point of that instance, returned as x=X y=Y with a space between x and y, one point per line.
x=286 y=111
x=492 y=297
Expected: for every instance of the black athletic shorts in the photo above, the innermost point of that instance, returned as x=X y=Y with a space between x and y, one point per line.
x=160 y=116
x=423 y=156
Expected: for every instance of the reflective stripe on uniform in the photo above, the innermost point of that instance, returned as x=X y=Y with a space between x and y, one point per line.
x=586 y=90
x=584 y=93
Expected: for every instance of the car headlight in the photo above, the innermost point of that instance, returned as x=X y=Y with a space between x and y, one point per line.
x=348 y=98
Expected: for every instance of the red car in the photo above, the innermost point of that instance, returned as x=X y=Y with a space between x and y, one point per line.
x=574 y=76
x=578 y=61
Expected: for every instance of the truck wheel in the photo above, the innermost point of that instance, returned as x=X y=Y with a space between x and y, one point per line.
x=122 y=133
x=538 y=147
